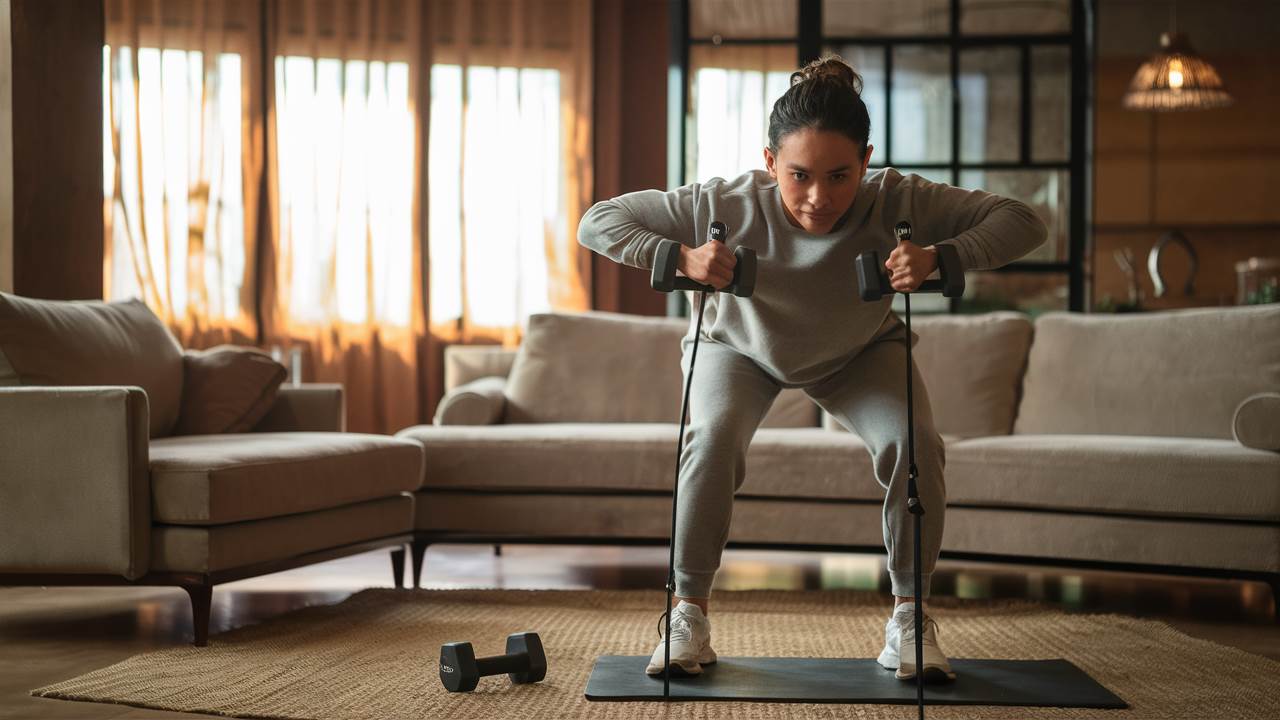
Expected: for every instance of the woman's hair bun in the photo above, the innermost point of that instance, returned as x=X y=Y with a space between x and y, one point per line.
x=831 y=68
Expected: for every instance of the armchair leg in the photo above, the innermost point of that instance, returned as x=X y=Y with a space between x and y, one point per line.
x=397 y=566
x=201 y=602
x=419 y=550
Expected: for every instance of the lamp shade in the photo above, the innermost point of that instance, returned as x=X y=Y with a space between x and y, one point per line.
x=1176 y=79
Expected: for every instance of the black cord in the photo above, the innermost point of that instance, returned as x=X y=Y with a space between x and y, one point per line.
x=675 y=488
x=916 y=510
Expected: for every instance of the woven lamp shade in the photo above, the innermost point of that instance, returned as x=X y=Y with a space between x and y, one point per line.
x=1176 y=79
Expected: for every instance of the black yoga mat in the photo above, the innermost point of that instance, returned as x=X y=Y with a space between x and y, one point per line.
x=1028 y=683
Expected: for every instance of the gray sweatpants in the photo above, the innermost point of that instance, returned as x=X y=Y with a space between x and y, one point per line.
x=728 y=400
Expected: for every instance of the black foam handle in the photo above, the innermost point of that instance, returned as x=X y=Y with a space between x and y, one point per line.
x=873 y=281
x=664 y=277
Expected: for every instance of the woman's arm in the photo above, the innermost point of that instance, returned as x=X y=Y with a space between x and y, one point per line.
x=627 y=228
x=987 y=230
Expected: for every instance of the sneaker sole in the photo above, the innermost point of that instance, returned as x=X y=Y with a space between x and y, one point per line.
x=676 y=671
x=932 y=676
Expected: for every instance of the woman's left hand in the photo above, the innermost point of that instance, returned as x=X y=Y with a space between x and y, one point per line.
x=909 y=265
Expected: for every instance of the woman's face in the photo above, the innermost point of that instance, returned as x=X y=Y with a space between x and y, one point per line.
x=818 y=174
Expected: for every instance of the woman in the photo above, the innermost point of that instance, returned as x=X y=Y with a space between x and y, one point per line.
x=808 y=215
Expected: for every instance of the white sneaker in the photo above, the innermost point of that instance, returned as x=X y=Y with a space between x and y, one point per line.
x=900 y=647
x=690 y=642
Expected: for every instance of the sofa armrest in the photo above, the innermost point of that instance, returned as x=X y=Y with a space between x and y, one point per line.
x=75 y=489
x=312 y=407
x=479 y=402
x=1256 y=423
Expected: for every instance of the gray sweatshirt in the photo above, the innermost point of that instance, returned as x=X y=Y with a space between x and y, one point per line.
x=805 y=319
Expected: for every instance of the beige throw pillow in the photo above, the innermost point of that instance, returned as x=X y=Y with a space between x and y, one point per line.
x=55 y=342
x=227 y=389
x=596 y=367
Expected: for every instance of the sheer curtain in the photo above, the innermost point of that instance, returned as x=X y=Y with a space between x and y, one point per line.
x=509 y=168
x=182 y=163
x=344 y=284
x=734 y=88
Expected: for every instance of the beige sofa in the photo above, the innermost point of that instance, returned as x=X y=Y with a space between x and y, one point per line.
x=1106 y=441
x=94 y=491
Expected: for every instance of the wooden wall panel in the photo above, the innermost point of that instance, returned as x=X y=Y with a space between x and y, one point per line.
x=57 y=148
x=1213 y=174
x=630 y=132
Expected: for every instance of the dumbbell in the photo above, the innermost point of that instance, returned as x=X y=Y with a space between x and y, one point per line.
x=664 y=278
x=874 y=284
x=524 y=662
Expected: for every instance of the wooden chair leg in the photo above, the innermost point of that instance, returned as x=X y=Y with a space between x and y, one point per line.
x=201 y=602
x=419 y=550
x=397 y=566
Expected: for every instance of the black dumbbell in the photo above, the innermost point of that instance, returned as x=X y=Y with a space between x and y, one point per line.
x=874 y=281
x=461 y=670
x=664 y=279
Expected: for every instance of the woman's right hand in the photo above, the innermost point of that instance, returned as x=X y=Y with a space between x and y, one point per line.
x=711 y=263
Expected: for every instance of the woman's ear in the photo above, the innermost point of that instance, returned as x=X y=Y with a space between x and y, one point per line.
x=770 y=163
x=866 y=158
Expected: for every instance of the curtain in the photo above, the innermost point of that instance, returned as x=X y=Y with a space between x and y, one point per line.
x=510 y=163
x=357 y=183
x=344 y=286
x=182 y=163
x=733 y=89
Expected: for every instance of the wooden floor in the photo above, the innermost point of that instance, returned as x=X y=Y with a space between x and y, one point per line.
x=53 y=634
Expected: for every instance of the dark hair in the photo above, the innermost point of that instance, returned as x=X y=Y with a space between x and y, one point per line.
x=826 y=94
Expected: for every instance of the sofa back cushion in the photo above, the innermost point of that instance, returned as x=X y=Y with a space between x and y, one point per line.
x=597 y=367
x=1179 y=373
x=610 y=367
x=226 y=389
x=972 y=366
x=52 y=342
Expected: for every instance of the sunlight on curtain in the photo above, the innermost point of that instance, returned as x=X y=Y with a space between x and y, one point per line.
x=345 y=151
x=497 y=183
x=733 y=91
x=175 y=203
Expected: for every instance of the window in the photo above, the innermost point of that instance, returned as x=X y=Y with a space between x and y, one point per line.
x=345 y=137
x=177 y=187
x=972 y=93
x=497 y=184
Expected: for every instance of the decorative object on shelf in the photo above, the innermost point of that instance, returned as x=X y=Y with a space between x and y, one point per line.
x=1153 y=261
x=1258 y=281
x=1125 y=259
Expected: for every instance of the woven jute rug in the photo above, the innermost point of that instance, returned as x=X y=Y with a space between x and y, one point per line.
x=375 y=656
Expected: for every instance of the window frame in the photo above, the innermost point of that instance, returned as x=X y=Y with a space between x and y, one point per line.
x=810 y=43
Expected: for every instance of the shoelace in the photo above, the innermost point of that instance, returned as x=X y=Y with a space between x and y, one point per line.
x=924 y=627
x=679 y=628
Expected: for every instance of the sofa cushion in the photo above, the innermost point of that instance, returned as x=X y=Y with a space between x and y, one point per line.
x=972 y=366
x=609 y=367
x=637 y=457
x=50 y=342
x=1175 y=477
x=596 y=367
x=186 y=548
x=1179 y=373
x=226 y=389
x=215 y=479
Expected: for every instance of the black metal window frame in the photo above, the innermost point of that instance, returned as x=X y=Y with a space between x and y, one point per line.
x=810 y=42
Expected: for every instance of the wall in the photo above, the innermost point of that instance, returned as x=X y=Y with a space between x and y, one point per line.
x=630 y=127
x=1213 y=174
x=6 y=151
x=57 y=148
